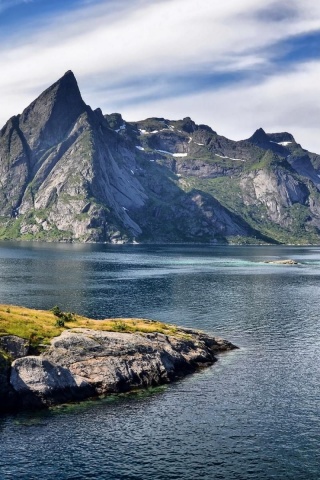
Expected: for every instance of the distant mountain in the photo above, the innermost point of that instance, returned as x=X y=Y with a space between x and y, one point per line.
x=69 y=173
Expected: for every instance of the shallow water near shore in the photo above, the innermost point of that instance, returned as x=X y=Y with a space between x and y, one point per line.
x=253 y=415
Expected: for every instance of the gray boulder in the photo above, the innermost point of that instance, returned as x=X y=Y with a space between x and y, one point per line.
x=37 y=381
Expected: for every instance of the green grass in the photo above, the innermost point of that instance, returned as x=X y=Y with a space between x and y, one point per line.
x=10 y=229
x=225 y=189
x=267 y=162
x=40 y=326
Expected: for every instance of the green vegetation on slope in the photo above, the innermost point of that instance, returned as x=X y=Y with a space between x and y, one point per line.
x=228 y=192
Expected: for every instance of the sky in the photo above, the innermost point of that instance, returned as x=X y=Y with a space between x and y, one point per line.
x=234 y=65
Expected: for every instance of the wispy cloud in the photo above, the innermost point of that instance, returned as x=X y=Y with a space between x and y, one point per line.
x=5 y=4
x=130 y=54
x=286 y=102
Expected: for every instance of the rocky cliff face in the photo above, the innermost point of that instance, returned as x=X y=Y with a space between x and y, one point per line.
x=69 y=173
x=83 y=363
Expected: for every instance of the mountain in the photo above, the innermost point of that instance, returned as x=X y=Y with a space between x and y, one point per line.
x=70 y=173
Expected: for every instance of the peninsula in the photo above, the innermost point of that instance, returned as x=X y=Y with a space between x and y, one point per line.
x=52 y=357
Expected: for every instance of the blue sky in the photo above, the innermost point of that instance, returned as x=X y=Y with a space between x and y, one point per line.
x=236 y=66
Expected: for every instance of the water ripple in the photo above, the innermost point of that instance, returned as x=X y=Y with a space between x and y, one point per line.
x=252 y=415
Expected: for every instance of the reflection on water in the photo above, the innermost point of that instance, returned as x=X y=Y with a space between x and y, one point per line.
x=253 y=415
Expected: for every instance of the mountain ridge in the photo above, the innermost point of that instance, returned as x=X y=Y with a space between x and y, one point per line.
x=70 y=173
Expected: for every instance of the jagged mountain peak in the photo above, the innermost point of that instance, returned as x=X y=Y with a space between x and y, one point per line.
x=64 y=90
x=273 y=141
x=47 y=119
x=276 y=142
x=68 y=74
x=259 y=137
x=68 y=79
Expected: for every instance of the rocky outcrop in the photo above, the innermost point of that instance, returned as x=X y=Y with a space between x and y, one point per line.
x=276 y=190
x=83 y=363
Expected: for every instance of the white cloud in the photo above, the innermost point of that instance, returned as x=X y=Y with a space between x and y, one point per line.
x=286 y=102
x=115 y=42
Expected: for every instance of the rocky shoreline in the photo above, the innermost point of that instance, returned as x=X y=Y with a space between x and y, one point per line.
x=82 y=363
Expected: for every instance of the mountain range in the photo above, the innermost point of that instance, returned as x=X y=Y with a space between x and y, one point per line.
x=70 y=173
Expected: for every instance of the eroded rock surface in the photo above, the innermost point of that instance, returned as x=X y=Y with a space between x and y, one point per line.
x=14 y=346
x=83 y=363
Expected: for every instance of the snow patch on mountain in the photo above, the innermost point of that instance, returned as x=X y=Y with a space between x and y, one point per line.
x=230 y=158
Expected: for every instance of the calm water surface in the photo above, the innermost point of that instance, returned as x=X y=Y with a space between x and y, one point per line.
x=253 y=415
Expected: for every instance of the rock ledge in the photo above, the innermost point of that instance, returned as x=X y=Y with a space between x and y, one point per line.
x=83 y=363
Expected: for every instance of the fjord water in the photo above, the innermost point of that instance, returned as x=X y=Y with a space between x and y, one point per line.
x=252 y=415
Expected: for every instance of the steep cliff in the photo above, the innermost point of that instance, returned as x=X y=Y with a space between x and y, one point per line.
x=69 y=173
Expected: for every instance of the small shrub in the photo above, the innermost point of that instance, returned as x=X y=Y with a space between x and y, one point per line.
x=56 y=311
x=68 y=317
x=62 y=317
x=60 y=322
x=120 y=326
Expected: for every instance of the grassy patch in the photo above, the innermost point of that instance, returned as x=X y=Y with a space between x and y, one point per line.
x=268 y=161
x=40 y=326
x=10 y=229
